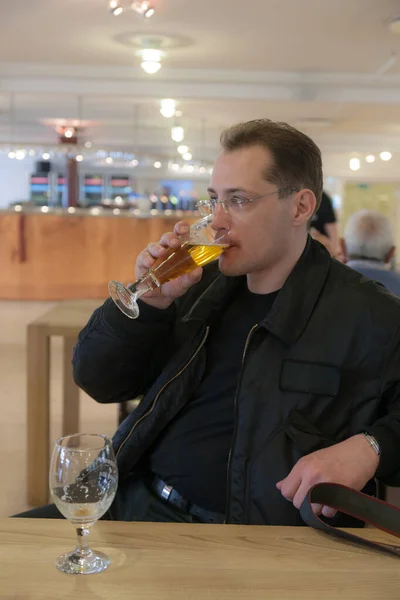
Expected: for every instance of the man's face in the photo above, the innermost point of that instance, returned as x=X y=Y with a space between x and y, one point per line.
x=260 y=232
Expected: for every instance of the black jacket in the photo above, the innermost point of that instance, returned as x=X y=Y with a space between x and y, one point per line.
x=322 y=366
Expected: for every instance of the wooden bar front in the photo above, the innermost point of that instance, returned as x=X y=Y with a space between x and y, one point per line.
x=59 y=256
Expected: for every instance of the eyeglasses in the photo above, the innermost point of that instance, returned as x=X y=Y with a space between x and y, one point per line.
x=235 y=203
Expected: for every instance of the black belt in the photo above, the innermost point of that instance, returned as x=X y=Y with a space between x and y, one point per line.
x=375 y=512
x=166 y=493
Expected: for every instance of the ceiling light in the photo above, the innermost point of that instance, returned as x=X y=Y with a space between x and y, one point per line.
x=46 y=156
x=183 y=149
x=134 y=162
x=385 y=155
x=17 y=208
x=69 y=132
x=11 y=154
x=175 y=167
x=116 y=211
x=190 y=168
x=109 y=160
x=143 y=7
x=151 y=60
x=202 y=170
x=187 y=156
x=370 y=158
x=167 y=109
x=31 y=153
x=95 y=211
x=157 y=164
x=71 y=210
x=45 y=209
x=114 y=7
x=79 y=158
x=88 y=144
x=354 y=164
x=178 y=113
x=20 y=154
x=177 y=133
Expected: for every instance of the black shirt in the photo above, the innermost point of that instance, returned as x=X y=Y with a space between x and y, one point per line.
x=192 y=453
x=324 y=215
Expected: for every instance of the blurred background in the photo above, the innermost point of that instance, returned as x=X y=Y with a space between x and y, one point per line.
x=110 y=116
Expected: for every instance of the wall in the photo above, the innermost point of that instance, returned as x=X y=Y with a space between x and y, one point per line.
x=14 y=179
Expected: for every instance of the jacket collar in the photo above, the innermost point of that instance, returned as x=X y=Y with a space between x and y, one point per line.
x=294 y=305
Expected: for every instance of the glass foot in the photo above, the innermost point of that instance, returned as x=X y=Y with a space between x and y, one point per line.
x=76 y=563
x=124 y=299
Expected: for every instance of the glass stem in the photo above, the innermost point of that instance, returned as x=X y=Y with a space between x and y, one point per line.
x=146 y=284
x=83 y=546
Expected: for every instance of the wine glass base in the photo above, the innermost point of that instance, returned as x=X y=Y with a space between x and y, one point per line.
x=74 y=563
x=123 y=298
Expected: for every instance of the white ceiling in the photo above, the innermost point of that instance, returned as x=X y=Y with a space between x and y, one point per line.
x=314 y=63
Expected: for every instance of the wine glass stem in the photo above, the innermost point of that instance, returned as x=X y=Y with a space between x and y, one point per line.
x=146 y=284
x=82 y=547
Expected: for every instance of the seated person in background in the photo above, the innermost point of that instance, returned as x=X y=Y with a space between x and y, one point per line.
x=324 y=223
x=265 y=373
x=368 y=247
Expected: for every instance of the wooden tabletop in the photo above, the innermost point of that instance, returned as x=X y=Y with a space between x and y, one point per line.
x=67 y=317
x=194 y=562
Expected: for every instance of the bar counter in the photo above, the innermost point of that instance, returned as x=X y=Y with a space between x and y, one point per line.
x=58 y=255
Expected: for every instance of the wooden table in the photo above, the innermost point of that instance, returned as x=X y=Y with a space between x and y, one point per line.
x=194 y=562
x=65 y=320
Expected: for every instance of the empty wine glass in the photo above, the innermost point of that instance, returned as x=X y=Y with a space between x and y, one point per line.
x=83 y=480
x=198 y=248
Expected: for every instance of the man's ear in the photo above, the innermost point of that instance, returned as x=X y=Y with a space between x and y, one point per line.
x=343 y=252
x=390 y=254
x=304 y=207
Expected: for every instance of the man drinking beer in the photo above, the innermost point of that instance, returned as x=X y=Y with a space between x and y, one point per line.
x=262 y=374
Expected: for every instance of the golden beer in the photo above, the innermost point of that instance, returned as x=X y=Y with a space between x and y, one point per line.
x=185 y=259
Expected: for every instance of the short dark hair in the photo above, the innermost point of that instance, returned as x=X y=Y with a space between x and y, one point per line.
x=297 y=161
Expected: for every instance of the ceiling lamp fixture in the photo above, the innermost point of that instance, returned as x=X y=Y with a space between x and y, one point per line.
x=183 y=149
x=69 y=132
x=177 y=133
x=370 y=158
x=354 y=164
x=144 y=8
x=168 y=108
x=115 y=7
x=187 y=156
x=151 y=60
x=385 y=156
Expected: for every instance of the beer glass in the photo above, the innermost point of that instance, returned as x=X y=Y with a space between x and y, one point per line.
x=198 y=248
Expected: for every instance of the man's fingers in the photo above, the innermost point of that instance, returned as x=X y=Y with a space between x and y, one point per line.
x=329 y=512
x=170 y=240
x=182 y=228
x=290 y=485
x=316 y=508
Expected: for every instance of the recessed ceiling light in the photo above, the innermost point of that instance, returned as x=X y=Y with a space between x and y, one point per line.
x=187 y=156
x=183 y=149
x=157 y=164
x=177 y=133
x=370 y=158
x=167 y=109
x=354 y=164
x=385 y=155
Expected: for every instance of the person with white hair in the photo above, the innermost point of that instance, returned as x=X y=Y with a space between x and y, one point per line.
x=369 y=248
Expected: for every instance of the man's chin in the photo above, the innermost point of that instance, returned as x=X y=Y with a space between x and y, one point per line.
x=229 y=267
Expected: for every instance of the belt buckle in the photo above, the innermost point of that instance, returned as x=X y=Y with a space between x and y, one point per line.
x=166 y=492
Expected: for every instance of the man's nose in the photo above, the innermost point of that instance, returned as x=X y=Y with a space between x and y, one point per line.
x=221 y=219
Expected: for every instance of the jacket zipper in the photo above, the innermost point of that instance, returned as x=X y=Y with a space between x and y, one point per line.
x=162 y=389
x=235 y=411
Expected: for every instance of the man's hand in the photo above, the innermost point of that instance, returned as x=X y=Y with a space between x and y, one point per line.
x=163 y=296
x=352 y=463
